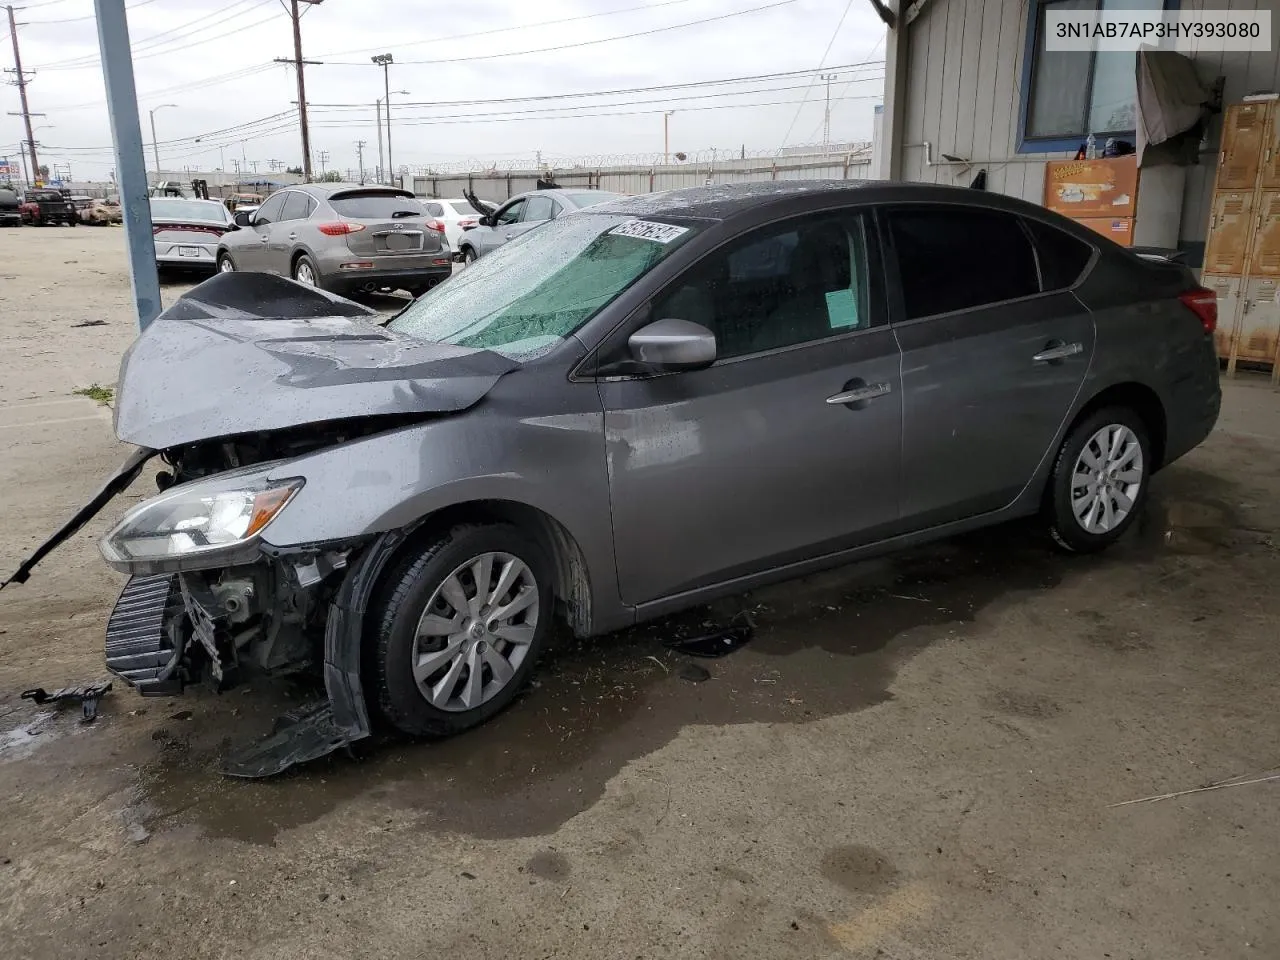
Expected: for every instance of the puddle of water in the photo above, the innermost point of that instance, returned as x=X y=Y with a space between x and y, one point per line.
x=27 y=737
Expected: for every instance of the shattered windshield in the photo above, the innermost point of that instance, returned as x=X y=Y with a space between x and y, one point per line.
x=527 y=296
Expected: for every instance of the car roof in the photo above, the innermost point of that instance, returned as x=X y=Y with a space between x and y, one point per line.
x=725 y=201
x=326 y=190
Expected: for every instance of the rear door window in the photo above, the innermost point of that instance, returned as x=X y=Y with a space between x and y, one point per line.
x=952 y=257
x=376 y=205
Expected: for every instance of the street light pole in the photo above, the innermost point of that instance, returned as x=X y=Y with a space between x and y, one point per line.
x=385 y=60
x=155 y=147
x=826 y=117
x=666 y=136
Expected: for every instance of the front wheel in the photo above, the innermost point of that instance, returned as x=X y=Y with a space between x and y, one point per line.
x=468 y=256
x=225 y=263
x=456 y=629
x=1099 y=482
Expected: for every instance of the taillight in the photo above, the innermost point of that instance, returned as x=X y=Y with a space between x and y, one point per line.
x=437 y=225
x=339 y=229
x=1204 y=304
x=158 y=228
x=467 y=222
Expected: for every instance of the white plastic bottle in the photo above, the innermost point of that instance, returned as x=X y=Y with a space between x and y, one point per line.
x=1091 y=148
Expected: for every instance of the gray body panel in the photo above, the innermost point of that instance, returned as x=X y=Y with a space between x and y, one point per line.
x=197 y=374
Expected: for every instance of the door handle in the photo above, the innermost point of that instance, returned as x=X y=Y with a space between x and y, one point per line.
x=510 y=235
x=859 y=394
x=264 y=239
x=293 y=236
x=1059 y=351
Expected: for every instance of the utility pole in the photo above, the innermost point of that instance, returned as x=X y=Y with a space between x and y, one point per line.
x=299 y=63
x=324 y=158
x=155 y=147
x=21 y=81
x=254 y=164
x=384 y=60
x=666 y=135
x=360 y=158
x=826 y=117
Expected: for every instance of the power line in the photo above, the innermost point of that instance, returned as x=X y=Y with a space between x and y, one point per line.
x=523 y=26
x=584 y=43
x=822 y=60
x=92 y=16
x=749 y=78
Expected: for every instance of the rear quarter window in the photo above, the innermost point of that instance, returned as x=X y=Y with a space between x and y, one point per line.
x=376 y=206
x=1063 y=258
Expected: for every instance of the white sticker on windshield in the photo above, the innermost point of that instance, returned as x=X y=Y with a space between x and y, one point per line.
x=648 y=230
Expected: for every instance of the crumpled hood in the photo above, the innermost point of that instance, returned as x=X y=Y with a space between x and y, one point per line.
x=243 y=353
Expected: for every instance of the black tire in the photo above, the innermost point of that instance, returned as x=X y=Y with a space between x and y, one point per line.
x=304 y=261
x=400 y=602
x=1068 y=532
x=225 y=258
x=468 y=255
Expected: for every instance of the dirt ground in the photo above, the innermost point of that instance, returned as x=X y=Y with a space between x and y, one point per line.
x=915 y=758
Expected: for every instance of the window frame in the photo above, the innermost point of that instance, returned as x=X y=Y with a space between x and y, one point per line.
x=1061 y=144
x=498 y=214
x=894 y=293
x=528 y=203
x=878 y=304
x=257 y=214
x=291 y=196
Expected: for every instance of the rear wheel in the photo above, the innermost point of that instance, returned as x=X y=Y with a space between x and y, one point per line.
x=457 y=628
x=1099 y=482
x=305 y=272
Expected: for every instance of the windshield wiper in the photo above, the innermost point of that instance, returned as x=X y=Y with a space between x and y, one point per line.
x=405 y=213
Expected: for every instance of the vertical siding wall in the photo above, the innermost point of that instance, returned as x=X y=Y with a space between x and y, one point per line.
x=964 y=97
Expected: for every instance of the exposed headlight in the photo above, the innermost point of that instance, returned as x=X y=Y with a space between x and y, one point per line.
x=189 y=529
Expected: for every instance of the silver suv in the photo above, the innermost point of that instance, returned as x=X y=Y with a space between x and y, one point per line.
x=341 y=237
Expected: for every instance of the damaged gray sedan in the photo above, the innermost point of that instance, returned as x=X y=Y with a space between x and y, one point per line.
x=634 y=409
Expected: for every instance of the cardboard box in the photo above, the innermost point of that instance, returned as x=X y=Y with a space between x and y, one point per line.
x=1092 y=188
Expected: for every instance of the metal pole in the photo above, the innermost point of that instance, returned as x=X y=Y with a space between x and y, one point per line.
x=22 y=95
x=826 y=117
x=380 y=167
x=302 y=92
x=386 y=83
x=155 y=147
x=666 y=136
x=131 y=166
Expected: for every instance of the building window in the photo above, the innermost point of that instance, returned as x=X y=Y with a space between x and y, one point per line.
x=1067 y=96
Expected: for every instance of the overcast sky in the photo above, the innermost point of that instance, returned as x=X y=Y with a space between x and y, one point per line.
x=213 y=59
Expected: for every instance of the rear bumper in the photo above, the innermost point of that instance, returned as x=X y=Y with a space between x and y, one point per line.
x=1194 y=403
x=395 y=279
x=169 y=254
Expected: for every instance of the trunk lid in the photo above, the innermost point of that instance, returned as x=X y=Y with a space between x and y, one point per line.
x=247 y=353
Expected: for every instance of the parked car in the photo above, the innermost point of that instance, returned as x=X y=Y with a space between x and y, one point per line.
x=639 y=407
x=453 y=216
x=46 y=207
x=342 y=238
x=10 y=208
x=243 y=201
x=102 y=213
x=521 y=214
x=187 y=233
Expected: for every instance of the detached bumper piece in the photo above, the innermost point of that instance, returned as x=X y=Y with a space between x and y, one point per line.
x=144 y=643
x=87 y=696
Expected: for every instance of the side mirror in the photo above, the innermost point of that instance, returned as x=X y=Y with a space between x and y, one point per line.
x=243 y=220
x=669 y=345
